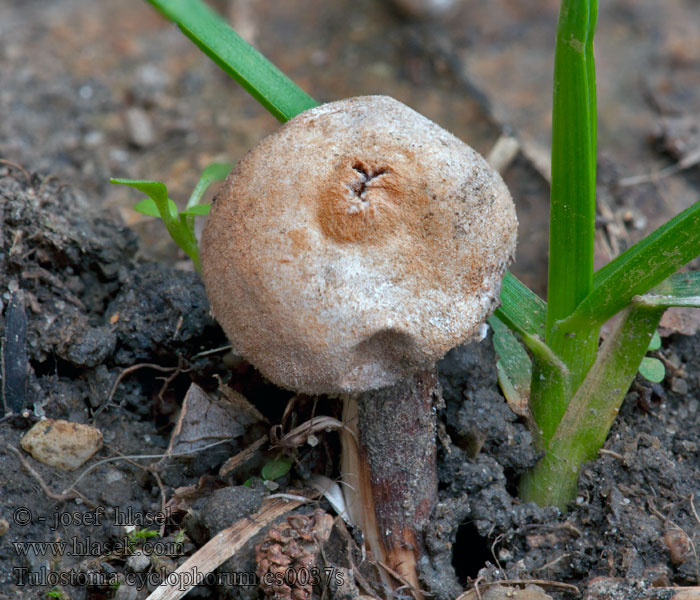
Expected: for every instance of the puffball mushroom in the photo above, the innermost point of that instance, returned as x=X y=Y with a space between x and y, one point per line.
x=355 y=246
x=347 y=253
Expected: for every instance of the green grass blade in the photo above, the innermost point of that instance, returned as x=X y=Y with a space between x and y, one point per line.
x=521 y=309
x=572 y=199
x=590 y=73
x=682 y=289
x=587 y=420
x=211 y=173
x=523 y=312
x=263 y=80
x=640 y=268
x=514 y=365
x=550 y=392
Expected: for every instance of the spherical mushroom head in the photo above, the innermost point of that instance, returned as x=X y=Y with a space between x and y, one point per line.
x=355 y=246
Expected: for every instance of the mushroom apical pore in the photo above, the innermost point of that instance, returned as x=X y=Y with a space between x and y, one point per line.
x=356 y=246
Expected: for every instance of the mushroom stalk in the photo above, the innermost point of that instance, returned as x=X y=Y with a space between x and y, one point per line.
x=389 y=470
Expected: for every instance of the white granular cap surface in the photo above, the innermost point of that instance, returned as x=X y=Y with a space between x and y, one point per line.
x=355 y=246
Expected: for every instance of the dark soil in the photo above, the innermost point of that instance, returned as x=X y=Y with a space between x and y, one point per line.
x=92 y=311
x=634 y=516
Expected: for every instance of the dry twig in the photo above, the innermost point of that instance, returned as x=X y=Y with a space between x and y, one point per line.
x=300 y=434
x=66 y=496
x=121 y=376
x=243 y=456
x=14 y=165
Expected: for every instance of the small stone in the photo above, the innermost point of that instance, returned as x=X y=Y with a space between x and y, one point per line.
x=62 y=444
x=4 y=526
x=678 y=544
x=680 y=386
x=118 y=155
x=689 y=446
x=139 y=127
x=505 y=554
x=93 y=139
x=674 y=359
x=152 y=77
x=659 y=575
x=138 y=562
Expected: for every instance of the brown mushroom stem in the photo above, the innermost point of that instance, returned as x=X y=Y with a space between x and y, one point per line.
x=389 y=469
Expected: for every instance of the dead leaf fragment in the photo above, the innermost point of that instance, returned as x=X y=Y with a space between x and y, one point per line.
x=203 y=421
x=184 y=496
x=685 y=321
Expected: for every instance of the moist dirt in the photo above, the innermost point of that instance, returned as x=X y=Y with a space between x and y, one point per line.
x=116 y=342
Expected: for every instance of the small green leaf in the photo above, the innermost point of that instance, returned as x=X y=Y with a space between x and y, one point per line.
x=655 y=342
x=652 y=369
x=154 y=189
x=248 y=482
x=211 y=174
x=144 y=534
x=276 y=469
x=197 y=209
x=157 y=191
x=148 y=207
x=178 y=228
